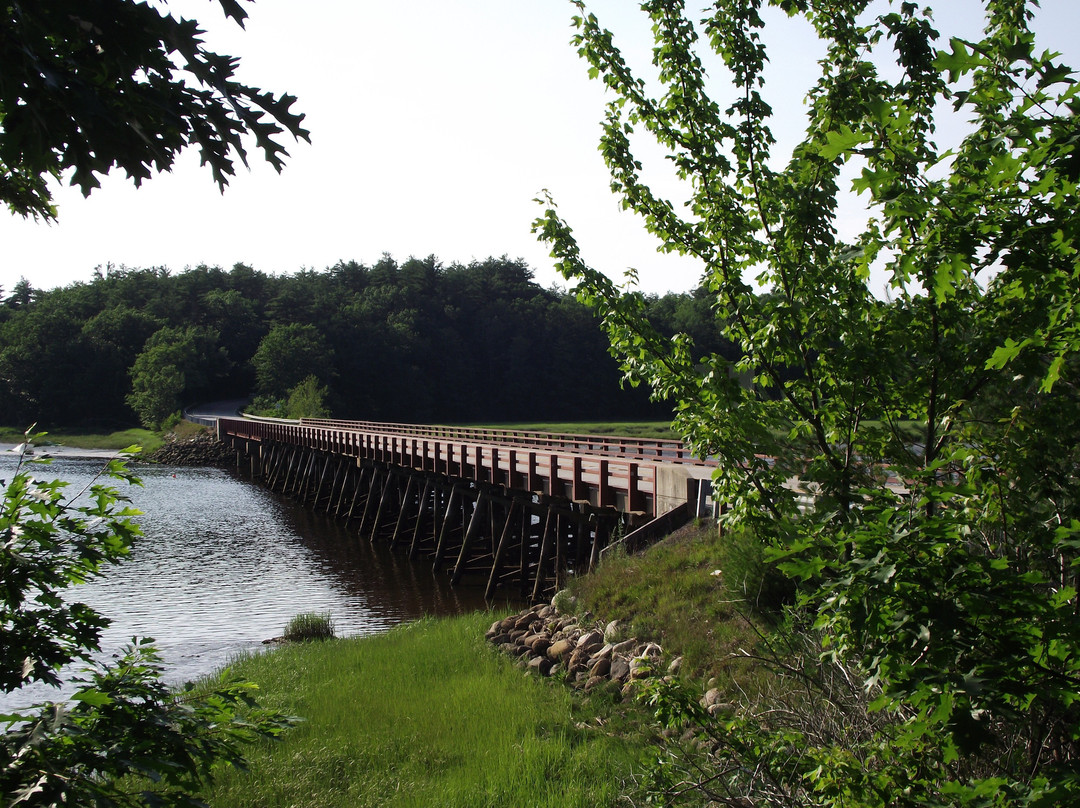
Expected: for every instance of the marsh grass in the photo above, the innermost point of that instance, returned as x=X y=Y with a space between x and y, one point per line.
x=309 y=626
x=427 y=714
x=104 y=441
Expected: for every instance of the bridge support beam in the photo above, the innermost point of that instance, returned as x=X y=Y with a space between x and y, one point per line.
x=511 y=541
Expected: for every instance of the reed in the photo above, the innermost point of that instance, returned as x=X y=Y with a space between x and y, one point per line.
x=426 y=714
x=309 y=626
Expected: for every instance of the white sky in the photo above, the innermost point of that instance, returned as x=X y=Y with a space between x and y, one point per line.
x=435 y=123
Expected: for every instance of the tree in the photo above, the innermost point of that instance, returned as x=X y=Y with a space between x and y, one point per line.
x=114 y=338
x=22 y=295
x=174 y=365
x=125 y=738
x=288 y=355
x=307 y=400
x=89 y=87
x=939 y=570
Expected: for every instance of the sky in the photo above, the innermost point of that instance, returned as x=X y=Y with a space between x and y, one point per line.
x=435 y=125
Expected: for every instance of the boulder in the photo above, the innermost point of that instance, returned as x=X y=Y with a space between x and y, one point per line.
x=640 y=667
x=541 y=665
x=590 y=639
x=601 y=667
x=593 y=682
x=620 y=669
x=560 y=649
x=539 y=644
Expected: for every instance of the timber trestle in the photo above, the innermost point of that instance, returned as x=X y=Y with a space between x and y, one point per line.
x=515 y=519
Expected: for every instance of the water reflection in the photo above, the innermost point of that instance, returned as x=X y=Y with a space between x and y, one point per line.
x=224 y=564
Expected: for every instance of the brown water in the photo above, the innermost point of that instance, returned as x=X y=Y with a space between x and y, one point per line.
x=225 y=563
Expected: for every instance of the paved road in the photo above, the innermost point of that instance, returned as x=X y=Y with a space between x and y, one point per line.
x=215 y=409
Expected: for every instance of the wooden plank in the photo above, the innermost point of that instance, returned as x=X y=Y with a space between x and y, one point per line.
x=545 y=550
x=370 y=497
x=453 y=501
x=390 y=475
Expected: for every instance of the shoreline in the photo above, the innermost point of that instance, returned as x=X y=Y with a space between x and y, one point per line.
x=59 y=450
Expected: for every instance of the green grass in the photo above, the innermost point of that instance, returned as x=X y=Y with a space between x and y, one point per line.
x=425 y=715
x=105 y=441
x=670 y=594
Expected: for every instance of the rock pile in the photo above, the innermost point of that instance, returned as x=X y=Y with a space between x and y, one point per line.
x=200 y=450
x=548 y=643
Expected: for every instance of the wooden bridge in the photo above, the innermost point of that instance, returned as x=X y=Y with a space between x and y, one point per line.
x=515 y=510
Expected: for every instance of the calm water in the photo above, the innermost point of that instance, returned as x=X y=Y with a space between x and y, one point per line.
x=224 y=564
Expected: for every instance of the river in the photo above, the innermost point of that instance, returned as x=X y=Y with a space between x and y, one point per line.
x=224 y=564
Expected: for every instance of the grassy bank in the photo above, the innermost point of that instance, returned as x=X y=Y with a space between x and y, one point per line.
x=101 y=441
x=426 y=715
x=81 y=439
x=429 y=714
x=700 y=595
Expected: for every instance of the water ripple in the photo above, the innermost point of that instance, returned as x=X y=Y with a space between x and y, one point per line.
x=224 y=564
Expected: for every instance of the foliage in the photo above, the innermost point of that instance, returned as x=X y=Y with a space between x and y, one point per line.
x=309 y=626
x=124 y=738
x=288 y=355
x=173 y=363
x=307 y=400
x=418 y=342
x=91 y=87
x=940 y=573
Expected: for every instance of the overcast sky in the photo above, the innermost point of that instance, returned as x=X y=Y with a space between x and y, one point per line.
x=435 y=124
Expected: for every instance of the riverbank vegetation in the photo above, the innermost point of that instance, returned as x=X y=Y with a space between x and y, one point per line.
x=660 y=430
x=430 y=714
x=150 y=441
x=427 y=714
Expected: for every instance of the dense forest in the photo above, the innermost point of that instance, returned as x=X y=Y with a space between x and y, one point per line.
x=412 y=342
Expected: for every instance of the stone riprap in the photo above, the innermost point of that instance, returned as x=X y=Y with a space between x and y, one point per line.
x=587 y=652
x=199 y=450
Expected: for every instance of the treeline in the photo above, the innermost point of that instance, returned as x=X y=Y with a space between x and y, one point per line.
x=415 y=342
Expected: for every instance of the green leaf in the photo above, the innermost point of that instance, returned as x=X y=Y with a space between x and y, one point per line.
x=93 y=698
x=1004 y=354
x=841 y=141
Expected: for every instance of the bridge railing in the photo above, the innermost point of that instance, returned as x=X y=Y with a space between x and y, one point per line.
x=625 y=482
x=652 y=449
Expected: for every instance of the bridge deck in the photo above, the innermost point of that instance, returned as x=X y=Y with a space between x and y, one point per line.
x=605 y=472
x=517 y=509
